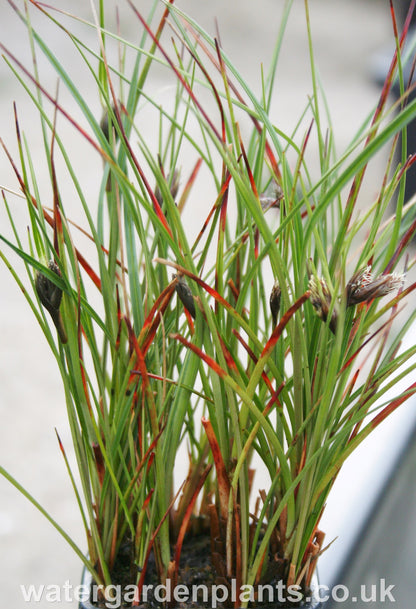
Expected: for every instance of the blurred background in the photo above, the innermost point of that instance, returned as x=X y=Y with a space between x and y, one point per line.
x=351 y=40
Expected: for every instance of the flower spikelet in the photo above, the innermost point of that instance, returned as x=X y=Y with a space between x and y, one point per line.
x=321 y=299
x=364 y=286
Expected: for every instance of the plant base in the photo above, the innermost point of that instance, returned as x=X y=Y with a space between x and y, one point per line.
x=199 y=587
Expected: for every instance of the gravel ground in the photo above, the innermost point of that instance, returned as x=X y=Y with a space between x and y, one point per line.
x=347 y=34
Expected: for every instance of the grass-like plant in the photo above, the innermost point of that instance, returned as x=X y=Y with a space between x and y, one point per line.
x=263 y=334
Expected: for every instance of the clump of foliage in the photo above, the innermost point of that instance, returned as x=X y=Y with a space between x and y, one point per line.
x=244 y=343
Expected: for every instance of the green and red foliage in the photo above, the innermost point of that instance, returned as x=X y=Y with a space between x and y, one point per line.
x=273 y=348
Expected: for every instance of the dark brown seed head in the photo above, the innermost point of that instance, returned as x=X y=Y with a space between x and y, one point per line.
x=275 y=302
x=185 y=295
x=49 y=293
x=104 y=124
x=50 y=296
